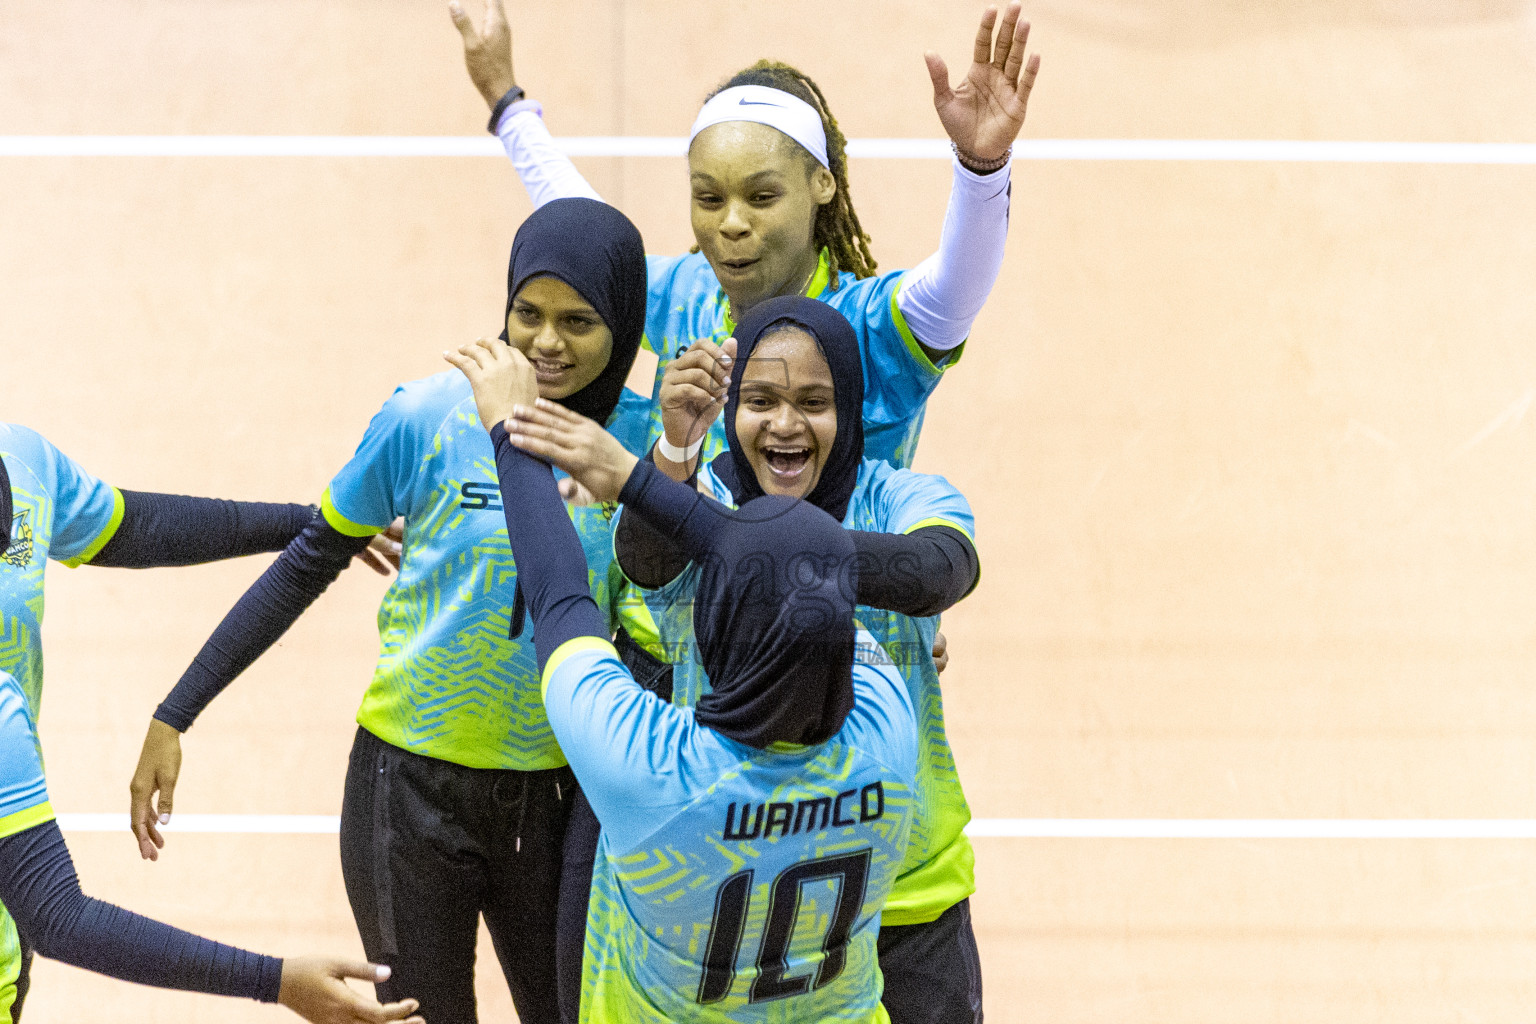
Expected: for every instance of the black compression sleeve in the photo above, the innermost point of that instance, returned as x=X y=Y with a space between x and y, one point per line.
x=646 y=555
x=173 y=529
x=262 y=615
x=39 y=887
x=919 y=573
x=551 y=567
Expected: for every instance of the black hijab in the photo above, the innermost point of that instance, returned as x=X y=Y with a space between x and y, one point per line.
x=834 y=335
x=596 y=250
x=773 y=618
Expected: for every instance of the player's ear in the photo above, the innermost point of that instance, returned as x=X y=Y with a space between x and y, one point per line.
x=5 y=508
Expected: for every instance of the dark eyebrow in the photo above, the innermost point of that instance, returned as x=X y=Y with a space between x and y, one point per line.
x=770 y=174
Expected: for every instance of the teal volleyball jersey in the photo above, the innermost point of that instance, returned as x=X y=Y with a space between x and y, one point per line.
x=733 y=884
x=23 y=804
x=59 y=511
x=684 y=302
x=450 y=682
x=940 y=865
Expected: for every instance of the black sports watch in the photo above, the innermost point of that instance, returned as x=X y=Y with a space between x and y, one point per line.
x=513 y=95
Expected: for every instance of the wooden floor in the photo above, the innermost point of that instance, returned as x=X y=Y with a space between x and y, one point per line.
x=1248 y=444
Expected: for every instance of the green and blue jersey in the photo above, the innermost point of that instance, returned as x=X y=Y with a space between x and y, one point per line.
x=939 y=870
x=734 y=884
x=451 y=683
x=59 y=511
x=23 y=805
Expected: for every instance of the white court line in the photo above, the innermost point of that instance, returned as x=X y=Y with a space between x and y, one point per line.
x=1013 y=828
x=1276 y=150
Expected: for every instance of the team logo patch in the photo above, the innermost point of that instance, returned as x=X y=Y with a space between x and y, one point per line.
x=20 y=551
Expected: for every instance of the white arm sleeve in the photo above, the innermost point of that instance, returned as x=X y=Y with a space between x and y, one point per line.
x=941 y=296
x=545 y=172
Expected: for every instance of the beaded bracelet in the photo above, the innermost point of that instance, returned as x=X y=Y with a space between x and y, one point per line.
x=976 y=164
x=512 y=96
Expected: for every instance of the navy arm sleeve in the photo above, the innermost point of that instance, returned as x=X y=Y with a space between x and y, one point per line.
x=173 y=529
x=39 y=887
x=291 y=584
x=551 y=568
x=919 y=573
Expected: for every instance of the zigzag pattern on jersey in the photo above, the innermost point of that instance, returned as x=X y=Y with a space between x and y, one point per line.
x=623 y=960
x=476 y=700
x=21 y=656
x=943 y=811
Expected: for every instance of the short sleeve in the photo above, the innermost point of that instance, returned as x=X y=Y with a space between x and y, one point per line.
x=367 y=495
x=905 y=501
x=633 y=754
x=23 y=791
x=86 y=511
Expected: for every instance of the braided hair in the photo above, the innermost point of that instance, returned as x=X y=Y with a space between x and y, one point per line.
x=837 y=227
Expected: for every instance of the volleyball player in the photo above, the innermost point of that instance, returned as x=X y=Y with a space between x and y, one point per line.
x=772 y=214
x=457 y=793
x=748 y=844
x=791 y=417
x=51 y=508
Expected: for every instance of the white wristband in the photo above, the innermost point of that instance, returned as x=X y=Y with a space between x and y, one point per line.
x=675 y=454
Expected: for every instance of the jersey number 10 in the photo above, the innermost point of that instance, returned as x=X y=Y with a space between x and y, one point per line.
x=725 y=929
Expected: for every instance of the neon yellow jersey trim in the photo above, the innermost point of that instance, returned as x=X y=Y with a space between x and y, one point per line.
x=26 y=818
x=921 y=895
x=104 y=536
x=340 y=523
x=913 y=345
x=939 y=521
x=575 y=645
x=821 y=278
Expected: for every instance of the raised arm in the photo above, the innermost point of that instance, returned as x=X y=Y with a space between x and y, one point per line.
x=941 y=297
x=544 y=170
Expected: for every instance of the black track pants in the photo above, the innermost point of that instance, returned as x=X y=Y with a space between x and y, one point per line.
x=427 y=847
x=932 y=971
x=581 y=846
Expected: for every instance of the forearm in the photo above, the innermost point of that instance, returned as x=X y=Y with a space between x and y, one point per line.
x=678 y=513
x=263 y=614
x=941 y=297
x=551 y=566
x=545 y=171
x=921 y=573
x=40 y=889
x=646 y=555
x=173 y=529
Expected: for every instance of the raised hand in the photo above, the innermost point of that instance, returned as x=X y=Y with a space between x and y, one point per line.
x=157 y=772
x=569 y=441
x=984 y=114
x=500 y=376
x=315 y=988
x=693 y=393
x=487 y=53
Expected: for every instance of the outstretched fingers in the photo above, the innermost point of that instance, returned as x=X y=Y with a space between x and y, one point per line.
x=938 y=72
x=466 y=27
x=1005 y=36
x=982 y=52
x=1016 y=51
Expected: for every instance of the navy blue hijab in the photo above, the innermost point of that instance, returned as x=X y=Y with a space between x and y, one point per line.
x=835 y=337
x=773 y=619
x=596 y=250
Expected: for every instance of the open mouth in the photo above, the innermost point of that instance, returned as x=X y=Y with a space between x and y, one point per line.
x=549 y=369
x=787 y=463
x=737 y=266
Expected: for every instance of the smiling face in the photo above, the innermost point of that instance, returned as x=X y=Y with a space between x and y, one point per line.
x=786 y=416
x=561 y=334
x=755 y=197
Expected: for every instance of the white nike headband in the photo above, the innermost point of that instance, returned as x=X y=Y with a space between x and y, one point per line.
x=772 y=107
